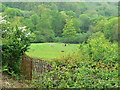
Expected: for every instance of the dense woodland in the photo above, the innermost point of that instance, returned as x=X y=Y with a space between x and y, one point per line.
x=64 y=22
x=91 y=25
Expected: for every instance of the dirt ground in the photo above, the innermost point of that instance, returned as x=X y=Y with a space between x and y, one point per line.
x=9 y=82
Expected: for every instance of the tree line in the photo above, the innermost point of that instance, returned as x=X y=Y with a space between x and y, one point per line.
x=64 y=22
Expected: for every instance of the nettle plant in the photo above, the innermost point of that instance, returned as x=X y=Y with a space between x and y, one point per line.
x=15 y=41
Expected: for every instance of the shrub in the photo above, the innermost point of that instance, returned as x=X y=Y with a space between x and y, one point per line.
x=79 y=38
x=82 y=37
x=57 y=39
x=110 y=29
x=78 y=72
x=65 y=39
x=13 y=12
x=100 y=48
x=15 y=41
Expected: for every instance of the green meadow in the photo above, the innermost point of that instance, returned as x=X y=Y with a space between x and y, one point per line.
x=45 y=51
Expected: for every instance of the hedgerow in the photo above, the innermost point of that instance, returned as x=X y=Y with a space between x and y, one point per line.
x=74 y=72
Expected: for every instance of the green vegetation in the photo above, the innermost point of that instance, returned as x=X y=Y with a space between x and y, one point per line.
x=55 y=22
x=45 y=51
x=15 y=41
x=89 y=31
x=95 y=66
x=76 y=72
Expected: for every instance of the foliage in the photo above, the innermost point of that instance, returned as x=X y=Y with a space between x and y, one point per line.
x=78 y=72
x=2 y=7
x=91 y=24
x=111 y=29
x=79 y=38
x=99 y=48
x=12 y=12
x=94 y=66
x=84 y=22
x=69 y=30
x=15 y=42
x=51 y=20
x=57 y=22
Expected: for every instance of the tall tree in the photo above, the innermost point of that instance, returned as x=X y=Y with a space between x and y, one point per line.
x=44 y=27
x=84 y=22
x=111 y=29
x=69 y=29
x=57 y=23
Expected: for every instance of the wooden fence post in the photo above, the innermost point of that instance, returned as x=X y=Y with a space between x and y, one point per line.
x=26 y=67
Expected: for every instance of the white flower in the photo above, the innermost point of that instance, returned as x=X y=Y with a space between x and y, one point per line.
x=27 y=34
x=23 y=30
x=19 y=27
x=7 y=27
x=24 y=27
x=5 y=30
x=3 y=21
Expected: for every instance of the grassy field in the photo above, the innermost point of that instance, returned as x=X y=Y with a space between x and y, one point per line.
x=44 y=50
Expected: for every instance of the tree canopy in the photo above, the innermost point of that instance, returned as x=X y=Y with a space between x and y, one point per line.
x=51 y=21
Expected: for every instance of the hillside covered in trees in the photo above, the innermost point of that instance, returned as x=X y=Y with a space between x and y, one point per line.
x=64 y=22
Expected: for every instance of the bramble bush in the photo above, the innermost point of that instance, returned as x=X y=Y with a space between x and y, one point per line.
x=15 y=41
x=78 y=72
